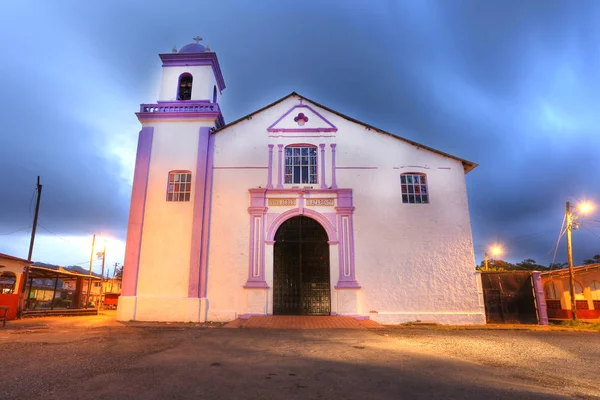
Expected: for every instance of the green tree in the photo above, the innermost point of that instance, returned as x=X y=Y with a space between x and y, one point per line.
x=557 y=265
x=593 y=260
x=497 y=265
x=531 y=265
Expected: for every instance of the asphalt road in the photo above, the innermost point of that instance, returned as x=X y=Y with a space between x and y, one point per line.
x=72 y=360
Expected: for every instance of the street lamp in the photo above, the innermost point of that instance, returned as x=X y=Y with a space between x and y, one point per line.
x=496 y=251
x=584 y=208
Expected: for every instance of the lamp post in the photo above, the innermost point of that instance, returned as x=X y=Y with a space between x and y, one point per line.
x=496 y=251
x=569 y=217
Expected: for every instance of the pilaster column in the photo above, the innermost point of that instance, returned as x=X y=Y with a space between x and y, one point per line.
x=345 y=213
x=333 y=181
x=270 y=172
x=323 y=184
x=280 y=170
x=256 y=265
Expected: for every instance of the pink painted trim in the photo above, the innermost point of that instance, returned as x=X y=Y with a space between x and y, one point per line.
x=207 y=217
x=198 y=214
x=300 y=136
x=240 y=167
x=186 y=59
x=303 y=130
x=345 y=211
x=540 y=298
x=333 y=168
x=135 y=226
x=300 y=190
x=256 y=285
x=320 y=218
x=280 y=170
x=256 y=262
x=356 y=167
x=331 y=128
x=347 y=285
x=270 y=172
x=323 y=185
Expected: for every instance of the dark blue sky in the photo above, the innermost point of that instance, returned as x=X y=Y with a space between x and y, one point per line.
x=513 y=86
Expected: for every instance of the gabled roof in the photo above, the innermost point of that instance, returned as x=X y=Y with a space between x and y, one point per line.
x=565 y=271
x=6 y=256
x=467 y=165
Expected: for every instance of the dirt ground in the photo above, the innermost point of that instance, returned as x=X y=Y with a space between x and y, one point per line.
x=98 y=358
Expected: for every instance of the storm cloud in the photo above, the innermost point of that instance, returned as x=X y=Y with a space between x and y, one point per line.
x=512 y=86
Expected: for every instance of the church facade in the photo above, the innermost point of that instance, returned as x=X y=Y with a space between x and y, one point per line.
x=295 y=209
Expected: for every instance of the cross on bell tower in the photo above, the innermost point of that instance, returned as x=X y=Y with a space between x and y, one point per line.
x=198 y=39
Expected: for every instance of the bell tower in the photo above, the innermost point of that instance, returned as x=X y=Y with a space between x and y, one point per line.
x=191 y=74
x=166 y=254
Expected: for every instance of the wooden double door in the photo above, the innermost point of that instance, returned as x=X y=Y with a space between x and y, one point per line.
x=301 y=283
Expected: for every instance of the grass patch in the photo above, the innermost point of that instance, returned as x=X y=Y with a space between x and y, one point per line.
x=580 y=325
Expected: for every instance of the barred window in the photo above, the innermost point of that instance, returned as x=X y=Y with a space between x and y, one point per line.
x=180 y=185
x=301 y=164
x=414 y=188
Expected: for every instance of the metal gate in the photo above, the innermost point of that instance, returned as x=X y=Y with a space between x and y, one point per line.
x=301 y=269
x=509 y=297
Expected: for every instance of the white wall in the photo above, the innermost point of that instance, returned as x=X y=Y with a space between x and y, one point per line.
x=414 y=261
x=166 y=239
x=202 y=84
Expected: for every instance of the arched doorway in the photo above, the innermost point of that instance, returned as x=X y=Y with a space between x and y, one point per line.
x=301 y=268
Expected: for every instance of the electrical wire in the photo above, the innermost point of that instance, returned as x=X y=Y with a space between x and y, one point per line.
x=52 y=233
x=591 y=231
x=560 y=235
x=18 y=230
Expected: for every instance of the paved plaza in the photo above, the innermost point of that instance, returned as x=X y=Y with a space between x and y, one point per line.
x=99 y=358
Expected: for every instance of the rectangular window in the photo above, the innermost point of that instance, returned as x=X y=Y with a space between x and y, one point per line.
x=180 y=186
x=414 y=188
x=300 y=165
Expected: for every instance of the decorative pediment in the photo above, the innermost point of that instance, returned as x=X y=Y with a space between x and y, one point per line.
x=302 y=118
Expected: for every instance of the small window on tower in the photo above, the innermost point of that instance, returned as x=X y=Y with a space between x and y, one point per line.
x=180 y=186
x=185 y=87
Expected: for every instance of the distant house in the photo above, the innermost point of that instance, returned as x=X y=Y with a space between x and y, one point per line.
x=11 y=280
x=587 y=292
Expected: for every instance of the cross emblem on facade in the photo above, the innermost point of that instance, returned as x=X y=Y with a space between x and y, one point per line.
x=197 y=39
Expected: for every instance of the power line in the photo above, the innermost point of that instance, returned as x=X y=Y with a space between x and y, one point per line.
x=592 y=232
x=560 y=235
x=52 y=233
x=18 y=230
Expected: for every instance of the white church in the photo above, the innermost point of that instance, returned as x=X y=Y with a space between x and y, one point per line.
x=294 y=209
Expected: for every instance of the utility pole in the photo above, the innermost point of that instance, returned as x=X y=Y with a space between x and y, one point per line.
x=31 y=241
x=485 y=259
x=569 y=218
x=102 y=275
x=87 y=300
x=112 y=282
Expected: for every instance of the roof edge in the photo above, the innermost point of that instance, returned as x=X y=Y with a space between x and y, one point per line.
x=13 y=258
x=467 y=165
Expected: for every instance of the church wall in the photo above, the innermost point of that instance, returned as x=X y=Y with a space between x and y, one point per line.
x=413 y=261
x=165 y=250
